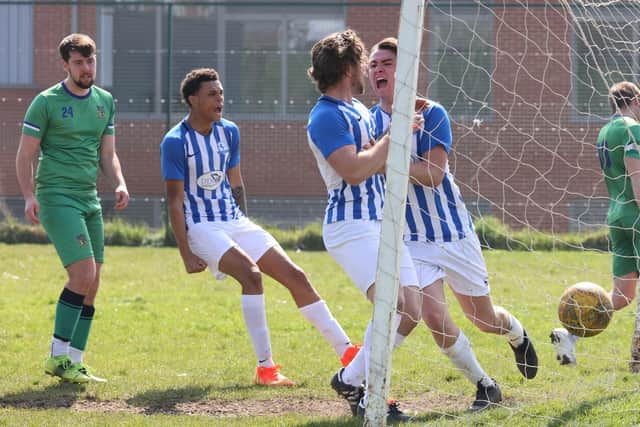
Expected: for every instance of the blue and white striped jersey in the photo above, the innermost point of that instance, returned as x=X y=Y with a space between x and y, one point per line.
x=202 y=161
x=432 y=214
x=334 y=124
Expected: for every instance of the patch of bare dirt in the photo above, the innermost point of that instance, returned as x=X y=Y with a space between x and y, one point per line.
x=424 y=404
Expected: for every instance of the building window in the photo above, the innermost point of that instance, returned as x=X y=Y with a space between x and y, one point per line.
x=132 y=56
x=605 y=46
x=461 y=58
x=265 y=71
x=261 y=53
x=16 y=45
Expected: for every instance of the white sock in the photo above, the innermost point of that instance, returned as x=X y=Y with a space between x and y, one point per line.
x=318 y=315
x=360 y=370
x=255 y=318
x=366 y=346
x=59 y=347
x=516 y=333
x=355 y=372
x=574 y=338
x=75 y=354
x=462 y=356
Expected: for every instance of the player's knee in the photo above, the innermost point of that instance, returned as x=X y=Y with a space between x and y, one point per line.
x=299 y=277
x=251 y=282
x=411 y=311
x=83 y=279
x=435 y=319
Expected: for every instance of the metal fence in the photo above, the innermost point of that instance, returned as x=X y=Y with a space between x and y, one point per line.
x=521 y=70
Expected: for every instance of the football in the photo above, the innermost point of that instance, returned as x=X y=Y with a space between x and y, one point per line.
x=585 y=309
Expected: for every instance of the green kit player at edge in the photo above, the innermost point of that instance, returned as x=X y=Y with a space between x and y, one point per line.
x=618 y=148
x=71 y=125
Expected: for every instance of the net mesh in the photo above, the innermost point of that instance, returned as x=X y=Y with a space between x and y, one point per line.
x=525 y=85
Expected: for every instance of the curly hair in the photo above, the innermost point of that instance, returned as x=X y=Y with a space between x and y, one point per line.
x=194 y=78
x=333 y=56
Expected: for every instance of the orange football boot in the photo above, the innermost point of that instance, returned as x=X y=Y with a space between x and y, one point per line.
x=270 y=376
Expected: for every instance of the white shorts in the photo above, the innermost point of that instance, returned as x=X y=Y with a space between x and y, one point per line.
x=460 y=263
x=354 y=246
x=211 y=240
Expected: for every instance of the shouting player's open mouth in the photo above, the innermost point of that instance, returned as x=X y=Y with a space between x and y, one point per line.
x=381 y=82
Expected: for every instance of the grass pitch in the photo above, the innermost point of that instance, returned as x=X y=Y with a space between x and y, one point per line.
x=174 y=348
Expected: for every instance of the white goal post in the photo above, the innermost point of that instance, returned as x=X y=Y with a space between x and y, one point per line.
x=409 y=42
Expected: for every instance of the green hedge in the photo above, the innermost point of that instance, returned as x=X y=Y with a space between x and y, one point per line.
x=496 y=235
x=491 y=232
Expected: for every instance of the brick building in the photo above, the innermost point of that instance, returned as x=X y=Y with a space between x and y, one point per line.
x=525 y=83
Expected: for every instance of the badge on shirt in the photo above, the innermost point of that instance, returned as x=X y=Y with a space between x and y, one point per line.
x=210 y=180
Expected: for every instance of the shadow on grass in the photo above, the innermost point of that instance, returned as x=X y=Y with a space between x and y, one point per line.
x=353 y=422
x=238 y=387
x=165 y=401
x=60 y=395
x=570 y=416
x=433 y=416
x=342 y=422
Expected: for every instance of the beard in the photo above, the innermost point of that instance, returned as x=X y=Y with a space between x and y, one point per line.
x=83 y=85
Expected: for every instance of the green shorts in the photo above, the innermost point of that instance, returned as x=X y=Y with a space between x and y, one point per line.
x=74 y=226
x=625 y=245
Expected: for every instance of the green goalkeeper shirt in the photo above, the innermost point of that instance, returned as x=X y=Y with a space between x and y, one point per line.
x=70 y=129
x=619 y=139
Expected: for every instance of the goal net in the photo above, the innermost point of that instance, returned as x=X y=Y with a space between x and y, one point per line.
x=525 y=86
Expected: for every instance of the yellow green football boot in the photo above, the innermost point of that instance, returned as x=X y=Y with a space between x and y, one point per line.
x=63 y=368
x=85 y=369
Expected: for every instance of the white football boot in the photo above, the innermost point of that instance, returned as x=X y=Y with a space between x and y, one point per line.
x=565 y=345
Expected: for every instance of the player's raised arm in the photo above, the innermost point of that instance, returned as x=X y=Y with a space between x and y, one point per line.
x=27 y=152
x=354 y=167
x=430 y=167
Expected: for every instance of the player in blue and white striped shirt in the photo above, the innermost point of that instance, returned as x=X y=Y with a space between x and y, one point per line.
x=442 y=241
x=205 y=192
x=339 y=128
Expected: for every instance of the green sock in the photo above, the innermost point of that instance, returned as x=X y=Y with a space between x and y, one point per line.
x=81 y=334
x=67 y=314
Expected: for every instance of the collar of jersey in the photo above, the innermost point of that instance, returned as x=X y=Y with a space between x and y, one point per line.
x=66 y=89
x=186 y=124
x=335 y=100
x=383 y=112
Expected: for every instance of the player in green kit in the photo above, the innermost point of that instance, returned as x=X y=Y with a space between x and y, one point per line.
x=71 y=125
x=619 y=153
